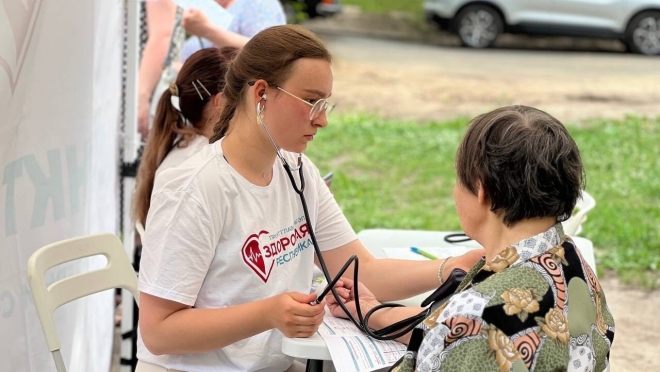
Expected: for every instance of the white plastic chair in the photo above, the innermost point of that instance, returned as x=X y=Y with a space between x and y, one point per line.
x=573 y=225
x=118 y=273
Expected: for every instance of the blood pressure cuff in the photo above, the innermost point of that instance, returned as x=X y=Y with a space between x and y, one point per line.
x=447 y=289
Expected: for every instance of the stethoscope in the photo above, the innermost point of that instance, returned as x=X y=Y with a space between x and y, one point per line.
x=391 y=332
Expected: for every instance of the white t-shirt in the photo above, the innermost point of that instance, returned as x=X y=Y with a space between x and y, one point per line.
x=214 y=240
x=178 y=155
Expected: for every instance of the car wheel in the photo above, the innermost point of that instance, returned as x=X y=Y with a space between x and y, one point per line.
x=478 y=26
x=643 y=33
x=311 y=8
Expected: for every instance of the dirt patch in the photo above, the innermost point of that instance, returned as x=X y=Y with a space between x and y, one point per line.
x=637 y=335
x=426 y=92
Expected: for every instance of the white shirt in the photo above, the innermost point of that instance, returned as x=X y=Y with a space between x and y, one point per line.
x=215 y=240
x=178 y=155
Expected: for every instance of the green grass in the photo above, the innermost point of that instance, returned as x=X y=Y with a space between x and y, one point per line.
x=385 y=6
x=393 y=174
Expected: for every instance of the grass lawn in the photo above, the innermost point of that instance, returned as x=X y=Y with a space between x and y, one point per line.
x=392 y=174
x=384 y=6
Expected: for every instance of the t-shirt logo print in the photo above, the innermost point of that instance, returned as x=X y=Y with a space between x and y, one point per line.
x=254 y=257
x=263 y=251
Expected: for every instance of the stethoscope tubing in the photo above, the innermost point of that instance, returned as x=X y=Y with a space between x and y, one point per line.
x=362 y=322
x=387 y=333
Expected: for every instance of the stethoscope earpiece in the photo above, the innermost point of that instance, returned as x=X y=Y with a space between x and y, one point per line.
x=260 y=110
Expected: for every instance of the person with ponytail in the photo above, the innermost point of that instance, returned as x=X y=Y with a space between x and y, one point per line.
x=183 y=121
x=228 y=255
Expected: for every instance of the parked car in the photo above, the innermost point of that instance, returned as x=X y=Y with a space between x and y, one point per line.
x=478 y=23
x=311 y=8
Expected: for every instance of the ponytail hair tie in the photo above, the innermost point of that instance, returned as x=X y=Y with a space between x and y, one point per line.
x=174 y=97
x=174 y=90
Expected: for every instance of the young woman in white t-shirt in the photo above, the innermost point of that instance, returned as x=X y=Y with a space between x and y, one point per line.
x=184 y=120
x=227 y=258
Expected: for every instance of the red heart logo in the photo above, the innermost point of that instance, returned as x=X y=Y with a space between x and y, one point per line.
x=254 y=258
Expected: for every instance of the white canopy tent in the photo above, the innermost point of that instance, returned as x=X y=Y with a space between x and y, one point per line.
x=60 y=105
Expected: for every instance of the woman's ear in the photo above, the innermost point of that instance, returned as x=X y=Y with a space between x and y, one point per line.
x=260 y=86
x=218 y=101
x=481 y=195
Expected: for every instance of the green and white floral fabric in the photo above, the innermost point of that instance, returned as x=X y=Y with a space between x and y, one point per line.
x=537 y=306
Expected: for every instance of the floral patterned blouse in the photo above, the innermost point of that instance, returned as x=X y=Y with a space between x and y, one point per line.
x=537 y=306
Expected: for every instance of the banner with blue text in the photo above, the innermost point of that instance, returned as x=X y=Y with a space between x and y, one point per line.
x=60 y=92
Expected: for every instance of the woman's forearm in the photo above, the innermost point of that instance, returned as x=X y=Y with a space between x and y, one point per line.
x=194 y=330
x=151 y=66
x=160 y=23
x=222 y=38
x=392 y=280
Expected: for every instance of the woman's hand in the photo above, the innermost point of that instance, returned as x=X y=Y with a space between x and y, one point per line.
x=346 y=292
x=195 y=22
x=292 y=314
x=463 y=262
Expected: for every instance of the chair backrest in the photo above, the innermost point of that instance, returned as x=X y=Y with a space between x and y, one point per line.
x=573 y=226
x=118 y=273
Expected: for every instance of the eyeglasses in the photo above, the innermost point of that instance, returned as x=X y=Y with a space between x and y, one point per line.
x=318 y=106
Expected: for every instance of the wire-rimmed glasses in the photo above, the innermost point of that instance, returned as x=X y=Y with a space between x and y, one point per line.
x=317 y=107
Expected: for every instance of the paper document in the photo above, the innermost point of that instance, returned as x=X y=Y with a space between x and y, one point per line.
x=218 y=15
x=354 y=351
x=404 y=253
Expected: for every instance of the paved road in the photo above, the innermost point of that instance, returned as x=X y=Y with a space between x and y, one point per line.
x=419 y=81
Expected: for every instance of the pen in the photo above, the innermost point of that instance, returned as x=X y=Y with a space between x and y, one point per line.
x=423 y=253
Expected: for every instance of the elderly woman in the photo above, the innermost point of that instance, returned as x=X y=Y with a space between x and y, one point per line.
x=532 y=303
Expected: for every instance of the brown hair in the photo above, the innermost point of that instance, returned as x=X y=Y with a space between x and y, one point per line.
x=526 y=162
x=208 y=67
x=269 y=55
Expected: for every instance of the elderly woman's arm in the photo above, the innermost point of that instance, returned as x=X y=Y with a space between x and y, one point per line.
x=380 y=319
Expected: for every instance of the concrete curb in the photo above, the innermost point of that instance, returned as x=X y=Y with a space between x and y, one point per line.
x=355 y=31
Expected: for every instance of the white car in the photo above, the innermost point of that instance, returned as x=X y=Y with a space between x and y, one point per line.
x=478 y=23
